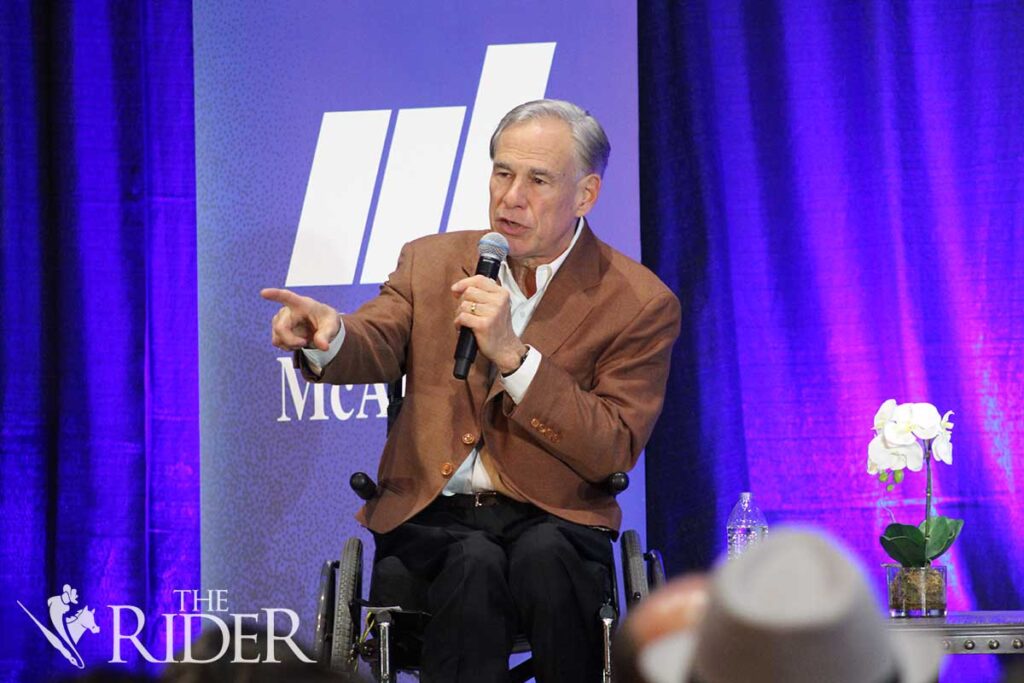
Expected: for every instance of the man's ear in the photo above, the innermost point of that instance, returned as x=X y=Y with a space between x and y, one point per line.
x=587 y=190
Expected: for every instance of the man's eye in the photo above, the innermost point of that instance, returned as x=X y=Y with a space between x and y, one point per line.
x=539 y=181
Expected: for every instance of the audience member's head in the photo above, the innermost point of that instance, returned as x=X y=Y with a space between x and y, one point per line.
x=796 y=608
x=675 y=608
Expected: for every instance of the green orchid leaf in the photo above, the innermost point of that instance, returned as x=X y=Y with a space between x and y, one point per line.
x=936 y=537
x=944 y=533
x=905 y=544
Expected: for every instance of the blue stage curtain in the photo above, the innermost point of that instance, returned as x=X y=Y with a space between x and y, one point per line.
x=836 y=191
x=100 y=447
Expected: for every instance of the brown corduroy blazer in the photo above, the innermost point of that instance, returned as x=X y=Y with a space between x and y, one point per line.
x=605 y=329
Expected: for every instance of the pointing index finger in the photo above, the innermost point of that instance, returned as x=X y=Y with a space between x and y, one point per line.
x=282 y=296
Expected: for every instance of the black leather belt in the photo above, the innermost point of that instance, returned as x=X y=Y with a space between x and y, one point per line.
x=483 y=499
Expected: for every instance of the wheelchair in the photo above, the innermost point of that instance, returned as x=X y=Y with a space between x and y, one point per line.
x=390 y=641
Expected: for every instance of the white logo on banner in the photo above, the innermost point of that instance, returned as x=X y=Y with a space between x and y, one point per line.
x=415 y=187
x=343 y=399
x=69 y=629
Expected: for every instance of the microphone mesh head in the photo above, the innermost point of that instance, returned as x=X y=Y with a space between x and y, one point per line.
x=493 y=245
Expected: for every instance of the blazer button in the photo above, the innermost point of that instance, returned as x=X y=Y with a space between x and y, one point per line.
x=468 y=439
x=447 y=470
x=535 y=423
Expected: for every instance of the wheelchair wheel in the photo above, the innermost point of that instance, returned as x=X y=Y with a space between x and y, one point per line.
x=347 y=611
x=325 y=613
x=634 y=568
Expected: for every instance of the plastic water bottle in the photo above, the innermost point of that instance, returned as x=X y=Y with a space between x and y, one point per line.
x=746 y=527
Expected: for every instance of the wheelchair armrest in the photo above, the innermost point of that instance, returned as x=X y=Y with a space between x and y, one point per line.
x=363 y=485
x=617 y=483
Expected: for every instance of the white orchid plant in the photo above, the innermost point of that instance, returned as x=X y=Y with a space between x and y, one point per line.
x=907 y=437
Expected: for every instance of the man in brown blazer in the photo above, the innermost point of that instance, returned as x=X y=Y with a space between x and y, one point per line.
x=491 y=489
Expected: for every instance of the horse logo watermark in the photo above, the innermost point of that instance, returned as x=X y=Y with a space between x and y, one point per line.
x=69 y=627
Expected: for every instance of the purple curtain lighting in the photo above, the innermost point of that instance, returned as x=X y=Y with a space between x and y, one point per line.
x=836 y=190
x=99 y=377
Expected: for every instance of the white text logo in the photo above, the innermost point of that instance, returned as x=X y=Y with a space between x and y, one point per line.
x=346 y=402
x=413 y=193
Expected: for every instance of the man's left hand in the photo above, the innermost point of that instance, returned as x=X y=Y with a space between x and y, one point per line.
x=484 y=308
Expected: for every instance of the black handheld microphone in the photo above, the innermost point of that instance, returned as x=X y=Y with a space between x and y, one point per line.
x=493 y=248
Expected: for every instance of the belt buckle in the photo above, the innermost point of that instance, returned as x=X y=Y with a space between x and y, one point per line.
x=479 y=497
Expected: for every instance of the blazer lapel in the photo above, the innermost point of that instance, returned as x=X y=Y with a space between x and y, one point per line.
x=566 y=302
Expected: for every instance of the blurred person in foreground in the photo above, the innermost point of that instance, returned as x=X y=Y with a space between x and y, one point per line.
x=796 y=608
x=675 y=608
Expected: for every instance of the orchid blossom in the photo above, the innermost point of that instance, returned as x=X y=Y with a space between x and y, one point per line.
x=907 y=436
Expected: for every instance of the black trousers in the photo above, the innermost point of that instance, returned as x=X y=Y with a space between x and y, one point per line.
x=487 y=573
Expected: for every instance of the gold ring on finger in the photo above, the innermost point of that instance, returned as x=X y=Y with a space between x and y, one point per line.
x=472 y=308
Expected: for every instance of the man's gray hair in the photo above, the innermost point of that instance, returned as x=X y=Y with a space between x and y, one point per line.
x=592 y=147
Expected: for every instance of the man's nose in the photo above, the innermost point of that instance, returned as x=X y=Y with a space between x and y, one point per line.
x=514 y=195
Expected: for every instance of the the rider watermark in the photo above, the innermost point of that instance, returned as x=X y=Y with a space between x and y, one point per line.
x=197 y=609
x=67 y=628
